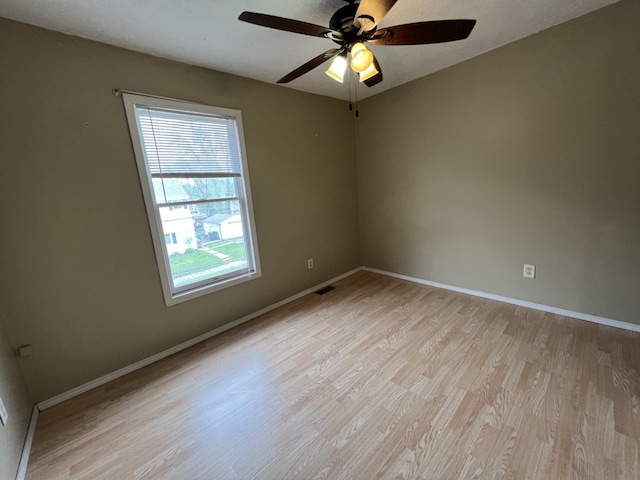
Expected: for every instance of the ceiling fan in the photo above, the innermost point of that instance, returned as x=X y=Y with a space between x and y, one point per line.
x=354 y=25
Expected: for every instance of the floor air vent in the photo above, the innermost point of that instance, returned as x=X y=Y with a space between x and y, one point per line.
x=324 y=290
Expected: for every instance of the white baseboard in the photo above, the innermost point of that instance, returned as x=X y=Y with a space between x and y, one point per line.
x=28 y=441
x=514 y=301
x=189 y=343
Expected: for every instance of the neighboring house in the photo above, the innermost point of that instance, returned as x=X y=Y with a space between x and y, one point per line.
x=223 y=226
x=177 y=221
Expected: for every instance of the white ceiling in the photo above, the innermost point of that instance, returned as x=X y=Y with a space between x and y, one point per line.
x=207 y=32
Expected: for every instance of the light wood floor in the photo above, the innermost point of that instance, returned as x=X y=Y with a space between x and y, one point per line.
x=378 y=379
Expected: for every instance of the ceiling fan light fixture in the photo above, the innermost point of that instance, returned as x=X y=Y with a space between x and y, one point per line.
x=368 y=73
x=337 y=68
x=361 y=57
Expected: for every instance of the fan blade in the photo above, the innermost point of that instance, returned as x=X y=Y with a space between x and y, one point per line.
x=422 y=33
x=310 y=65
x=287 y=24
x=370 y=13
x=377 y=78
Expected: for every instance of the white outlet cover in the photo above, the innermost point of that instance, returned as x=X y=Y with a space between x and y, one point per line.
x=4 y=416
x=529 y=271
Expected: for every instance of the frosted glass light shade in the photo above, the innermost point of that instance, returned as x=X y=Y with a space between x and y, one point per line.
x=361 y=57
x=369 y=72
x=337 y=68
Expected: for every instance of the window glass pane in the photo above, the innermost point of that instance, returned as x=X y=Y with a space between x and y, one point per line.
x=209 y=241
x=171 y=190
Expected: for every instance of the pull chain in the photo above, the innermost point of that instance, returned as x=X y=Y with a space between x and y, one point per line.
x=355 y=92
x=350 y=101
x=356 y=95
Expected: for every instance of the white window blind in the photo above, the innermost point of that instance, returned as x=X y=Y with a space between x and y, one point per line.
x=188 y=144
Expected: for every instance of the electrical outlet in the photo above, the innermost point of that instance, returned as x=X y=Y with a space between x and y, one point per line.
x=310 y=263
x=3 y=413
x=529 y=271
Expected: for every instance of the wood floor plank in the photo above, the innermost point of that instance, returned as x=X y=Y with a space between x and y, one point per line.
x=378 y=379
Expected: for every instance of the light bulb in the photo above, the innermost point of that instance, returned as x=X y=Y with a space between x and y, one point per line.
x=361 y=57
x=337 y=68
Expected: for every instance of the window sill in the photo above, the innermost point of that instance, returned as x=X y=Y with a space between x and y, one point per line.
x=207 y=289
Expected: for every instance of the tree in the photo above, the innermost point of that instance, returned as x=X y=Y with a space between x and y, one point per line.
x=210 y=188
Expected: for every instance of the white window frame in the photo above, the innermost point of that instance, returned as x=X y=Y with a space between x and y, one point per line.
x=173 y=295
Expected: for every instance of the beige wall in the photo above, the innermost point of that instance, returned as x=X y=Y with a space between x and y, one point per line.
x=18 y=403
x=82 y=285
x=527 y=154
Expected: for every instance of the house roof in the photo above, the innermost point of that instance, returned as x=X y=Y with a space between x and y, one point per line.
x=218 y=218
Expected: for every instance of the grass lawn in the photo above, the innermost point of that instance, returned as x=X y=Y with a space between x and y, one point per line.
x=194 y=261
x=234 y=250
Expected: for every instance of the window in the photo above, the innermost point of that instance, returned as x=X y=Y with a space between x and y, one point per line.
x=194 y=178
x=170 y=238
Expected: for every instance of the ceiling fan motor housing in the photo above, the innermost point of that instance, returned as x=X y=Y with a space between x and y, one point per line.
x=342 y=21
